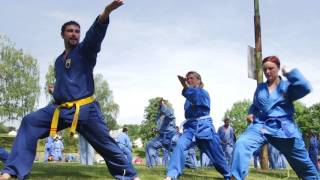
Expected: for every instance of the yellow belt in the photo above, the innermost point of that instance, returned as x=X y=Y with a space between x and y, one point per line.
x=56 y=114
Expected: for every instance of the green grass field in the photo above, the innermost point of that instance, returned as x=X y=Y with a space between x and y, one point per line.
x=70 y=171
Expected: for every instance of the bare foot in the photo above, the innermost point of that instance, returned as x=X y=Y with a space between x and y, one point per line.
x=136 y=178
x=5 y=176
x=167 y=178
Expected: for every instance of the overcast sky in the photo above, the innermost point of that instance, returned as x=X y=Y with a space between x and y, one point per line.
x=150 y=42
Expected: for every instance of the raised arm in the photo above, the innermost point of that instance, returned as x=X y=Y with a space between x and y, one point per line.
x=103 y=18
x=299 y=86
x=91 y=44
x=167 y=111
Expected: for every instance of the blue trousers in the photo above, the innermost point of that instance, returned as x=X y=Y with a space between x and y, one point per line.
x=58 y=155
x=127 y=152
x=207 y=141
x=86 y=151
x=153 y=147
x=227 y=149
x=37 y=124
x=165 y=157
x=152 y=154
x=3 y=155
x=314 y=158
x=191 y=159
x=292 y=148
x=204 y=160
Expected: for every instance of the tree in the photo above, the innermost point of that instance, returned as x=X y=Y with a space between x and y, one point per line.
x=19 y=74
x=50 y=80
x=148 y=125
x=301 y=115
x=314 y=117
x=3 y=129
x=237 y=115
x=103 y=94
x=307 y=118
x=133 y=130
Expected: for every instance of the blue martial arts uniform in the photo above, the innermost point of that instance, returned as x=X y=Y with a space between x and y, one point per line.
x=205 y=160
x=274 y=124
x=256 y=158
x=276 y=160
x=49 y=151
x=227 y=139
x=74 y=81
x=58 y=147
x=166 y=123
x=3 y=155
x=191 y=157
x=125 y=145
x=165 y=156
x=313 y=150
x=198 y=127
x=86 y=151
x=166 y=152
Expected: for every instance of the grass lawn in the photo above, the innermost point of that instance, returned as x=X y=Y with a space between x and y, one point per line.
x=70 y=171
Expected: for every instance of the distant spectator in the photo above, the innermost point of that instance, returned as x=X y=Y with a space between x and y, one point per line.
x=125 y=144
x=86 y=151
x=48 y=149
x=58 y=148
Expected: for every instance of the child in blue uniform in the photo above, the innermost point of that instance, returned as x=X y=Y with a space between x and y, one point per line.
x=198 y=127
x=74 y=104
x=272 y=115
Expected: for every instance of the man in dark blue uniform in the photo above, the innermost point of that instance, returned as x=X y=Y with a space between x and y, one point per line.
x=74 y=105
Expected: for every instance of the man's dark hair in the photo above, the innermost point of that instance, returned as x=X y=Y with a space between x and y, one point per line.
x=125 y=129
x=226 y=119
x=63 y=27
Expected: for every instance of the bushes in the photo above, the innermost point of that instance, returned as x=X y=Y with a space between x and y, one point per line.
x=3 y=129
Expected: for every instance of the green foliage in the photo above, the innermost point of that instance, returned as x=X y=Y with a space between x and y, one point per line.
x=104 y=96
x=301 y=115
x=148 y=125
x=6 y=141
x=133 y=130
x=19 y=82
x=307 y=118
x=141 y=152
x=70 y=143
x=50 y=80
x=238 y=114
x=314 y=117
x=3 y=129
